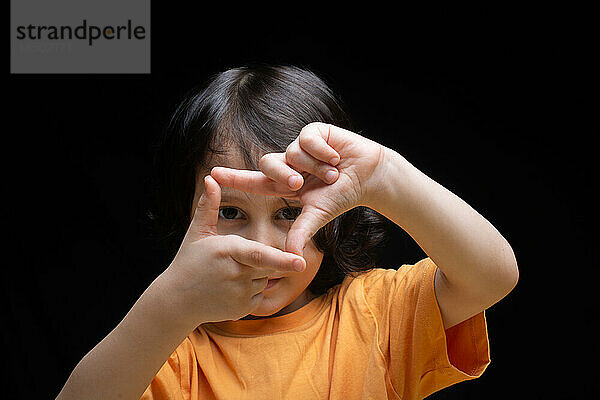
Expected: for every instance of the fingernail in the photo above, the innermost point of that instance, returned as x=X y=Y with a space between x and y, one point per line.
x=293 y=181
x=330 y=175
x=334 y=160
x=298 y=265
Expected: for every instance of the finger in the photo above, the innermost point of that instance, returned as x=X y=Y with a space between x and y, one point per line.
x=337 y=138
x=251 y=182
x=304 y=227
x=259 y=255
x=273 y=165
x=314 y=139
x=300 y=159
x=259 y=284
x=206 y=214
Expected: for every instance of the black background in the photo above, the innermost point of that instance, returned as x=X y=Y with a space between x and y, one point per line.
x=498 y=105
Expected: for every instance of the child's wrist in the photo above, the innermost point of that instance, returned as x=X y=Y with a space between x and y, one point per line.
x=379 y=191
x=393 y=190
x=167 y=308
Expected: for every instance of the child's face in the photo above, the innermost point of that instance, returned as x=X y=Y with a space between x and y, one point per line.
x=264 y=219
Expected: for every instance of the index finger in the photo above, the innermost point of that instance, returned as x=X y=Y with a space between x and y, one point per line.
x=259 y=255
x=251 y=182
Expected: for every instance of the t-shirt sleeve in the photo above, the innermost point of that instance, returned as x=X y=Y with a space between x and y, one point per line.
x=167 y=382
x=421 y=356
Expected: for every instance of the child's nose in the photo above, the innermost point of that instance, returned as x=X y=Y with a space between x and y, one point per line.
x=266 y=233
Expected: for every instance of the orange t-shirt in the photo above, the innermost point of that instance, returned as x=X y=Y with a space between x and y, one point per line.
x=376 y=336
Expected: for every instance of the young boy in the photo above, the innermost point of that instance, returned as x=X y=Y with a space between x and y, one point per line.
x=236 y=314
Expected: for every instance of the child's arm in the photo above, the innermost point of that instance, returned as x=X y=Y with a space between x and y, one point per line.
x=476 y=264
x=212 y=278
x=123 y=364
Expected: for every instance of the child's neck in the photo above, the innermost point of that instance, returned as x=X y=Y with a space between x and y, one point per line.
x=306 y=297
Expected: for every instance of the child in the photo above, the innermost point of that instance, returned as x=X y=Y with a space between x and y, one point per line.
x=273 y=293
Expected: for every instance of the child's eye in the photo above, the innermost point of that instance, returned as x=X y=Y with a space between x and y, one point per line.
x=290 y=213
x=232 y=213
x=228 y=213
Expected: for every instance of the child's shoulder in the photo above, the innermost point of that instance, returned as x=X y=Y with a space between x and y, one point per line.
x=372 y=291
x=373 y=275
x=354 y=284
x=370 y=275
x=383 y=281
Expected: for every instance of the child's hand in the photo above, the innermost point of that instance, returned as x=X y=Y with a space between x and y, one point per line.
x=215 y=278
x=356 y=165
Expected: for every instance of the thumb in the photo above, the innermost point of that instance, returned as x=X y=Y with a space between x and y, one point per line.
x=206 y=214
x=304 y=227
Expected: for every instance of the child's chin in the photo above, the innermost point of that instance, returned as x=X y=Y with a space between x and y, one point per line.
x=268 y=308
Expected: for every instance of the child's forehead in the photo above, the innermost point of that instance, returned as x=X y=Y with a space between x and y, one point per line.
x=252 y=200
x=231 y=158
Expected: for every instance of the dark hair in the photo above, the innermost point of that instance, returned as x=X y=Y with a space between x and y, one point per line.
x=260 y=109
